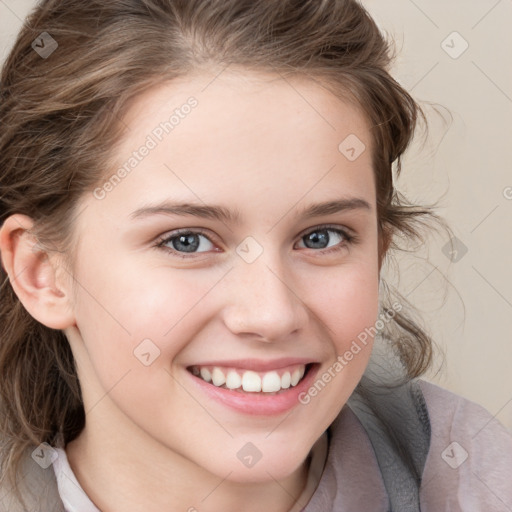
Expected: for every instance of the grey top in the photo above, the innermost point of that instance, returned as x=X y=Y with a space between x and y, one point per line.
x=468 y=467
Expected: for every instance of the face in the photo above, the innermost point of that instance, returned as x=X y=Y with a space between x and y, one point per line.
x=255 y=292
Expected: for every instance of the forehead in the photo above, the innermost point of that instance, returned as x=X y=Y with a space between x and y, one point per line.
x=245 y=102
x=246 y=134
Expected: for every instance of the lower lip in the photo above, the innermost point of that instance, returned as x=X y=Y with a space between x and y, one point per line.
x=258 y=403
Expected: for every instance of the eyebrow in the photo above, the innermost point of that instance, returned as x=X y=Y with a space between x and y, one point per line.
x=221 y=213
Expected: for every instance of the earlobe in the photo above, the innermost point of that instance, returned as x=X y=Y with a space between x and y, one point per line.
x=33 y=274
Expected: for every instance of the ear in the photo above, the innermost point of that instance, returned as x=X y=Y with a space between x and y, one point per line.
x=33 y=274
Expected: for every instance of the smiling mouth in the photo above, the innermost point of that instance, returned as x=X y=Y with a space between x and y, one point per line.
x=248 y=381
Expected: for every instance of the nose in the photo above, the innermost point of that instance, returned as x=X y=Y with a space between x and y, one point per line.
x=262 y=301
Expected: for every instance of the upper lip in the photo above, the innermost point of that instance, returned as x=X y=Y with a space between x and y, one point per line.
x=257 y=365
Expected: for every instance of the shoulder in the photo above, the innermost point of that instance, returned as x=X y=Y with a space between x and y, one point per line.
x=452 y=415
x=37 y=484
x=469 y=465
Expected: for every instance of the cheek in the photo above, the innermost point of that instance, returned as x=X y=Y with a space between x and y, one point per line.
x=123 y=315
x=347 y=302
x=347 y=311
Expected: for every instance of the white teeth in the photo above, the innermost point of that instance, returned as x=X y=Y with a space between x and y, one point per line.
x=271 y=382
x=295 y=377
x=251 y=381
x=233 y=380
x=286 y=380
x=218 y=377
x=206 y=375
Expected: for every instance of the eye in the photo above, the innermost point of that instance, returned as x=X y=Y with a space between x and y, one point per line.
x=320 y=238
x=186 y=241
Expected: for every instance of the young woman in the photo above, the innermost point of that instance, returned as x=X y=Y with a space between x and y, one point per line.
x=196 y=201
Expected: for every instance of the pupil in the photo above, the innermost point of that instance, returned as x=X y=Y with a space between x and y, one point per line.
x=315 y=238
x=186 y=244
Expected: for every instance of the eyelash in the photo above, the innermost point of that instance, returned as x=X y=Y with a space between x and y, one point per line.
x=349 y=239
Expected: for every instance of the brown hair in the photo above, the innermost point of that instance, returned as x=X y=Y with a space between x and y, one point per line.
x=61 y=121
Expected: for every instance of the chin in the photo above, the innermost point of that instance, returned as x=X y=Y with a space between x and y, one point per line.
x=252 y=466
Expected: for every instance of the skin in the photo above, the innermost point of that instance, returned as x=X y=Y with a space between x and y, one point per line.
x=256 y=145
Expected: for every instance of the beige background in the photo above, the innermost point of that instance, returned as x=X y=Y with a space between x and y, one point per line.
x=466 y=167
